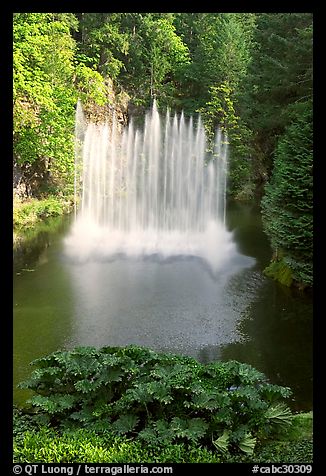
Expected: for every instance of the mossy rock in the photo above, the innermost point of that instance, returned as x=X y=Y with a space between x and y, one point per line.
x=281 y=272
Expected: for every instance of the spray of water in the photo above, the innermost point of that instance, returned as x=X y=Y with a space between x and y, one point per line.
x=150 y=191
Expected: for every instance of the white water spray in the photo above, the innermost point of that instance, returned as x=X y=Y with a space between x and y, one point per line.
x=150 y=191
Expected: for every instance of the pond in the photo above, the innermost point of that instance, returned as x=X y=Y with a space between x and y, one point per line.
x=175 y=305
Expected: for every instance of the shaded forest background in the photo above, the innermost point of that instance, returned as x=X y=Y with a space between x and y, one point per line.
x=251 y=74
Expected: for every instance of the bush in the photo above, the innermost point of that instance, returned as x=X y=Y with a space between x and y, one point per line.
x=84 y=446
x=286 y=452
x=287 y=207
x=26 y=214
x=158 y=399
x=294 y=446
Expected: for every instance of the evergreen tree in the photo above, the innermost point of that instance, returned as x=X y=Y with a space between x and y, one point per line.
x=287 y=204
x=220 y=62
x=279 y=76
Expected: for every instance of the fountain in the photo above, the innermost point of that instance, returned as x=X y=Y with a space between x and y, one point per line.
x=150 y=192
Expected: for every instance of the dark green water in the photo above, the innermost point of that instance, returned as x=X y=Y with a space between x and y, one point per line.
x=176 y=305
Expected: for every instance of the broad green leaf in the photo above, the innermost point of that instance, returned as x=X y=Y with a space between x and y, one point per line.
x=222 y=442
x=125 y=423
x=279 y=414
x=247 y=444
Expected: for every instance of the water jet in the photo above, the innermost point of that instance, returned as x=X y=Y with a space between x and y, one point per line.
x=155 y=191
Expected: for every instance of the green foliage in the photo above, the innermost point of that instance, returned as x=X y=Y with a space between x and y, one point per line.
x=301 y=428
x=279 y=414
x=104 y=44
x=280 y=73
x=283 y=121
x=44 y=98
x=23 y=423
x=247 y=444
x=288 y=202
x=90 y=85
x=222 y=442
x=221 y=56
x=125 y=423
x=47 y=82
x=85 y=446
x=219 y=45
x=219 y=110
x=26 y=214
x=35 y=442
x=157 y=58
x=163 y=52
x=279 y=78
x=140 y=51
x=159 y=399
x=280 y=271
x=286 y=452
x=191 y=429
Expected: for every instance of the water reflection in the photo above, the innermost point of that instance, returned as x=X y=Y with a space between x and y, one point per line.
x=277 y=334
x=30 y=248
x=41 y=300
x=173 y=305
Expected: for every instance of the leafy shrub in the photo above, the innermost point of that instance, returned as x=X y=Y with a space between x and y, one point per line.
x=23 y=423
x=286 y=452
x=158 y=399
x=287 y=207
x=26 y=214
x=84 y=446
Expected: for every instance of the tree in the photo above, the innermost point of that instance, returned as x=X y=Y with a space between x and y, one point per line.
x=157 y=56
x=43 y=96
x=279 y=76
x=141 y=52
x=287 y=204
x=47 y=82
x=103 y=45
x=219 y=45
x=275 y=102
x=220 y=58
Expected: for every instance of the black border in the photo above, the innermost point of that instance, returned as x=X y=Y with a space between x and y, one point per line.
x=6 y=178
